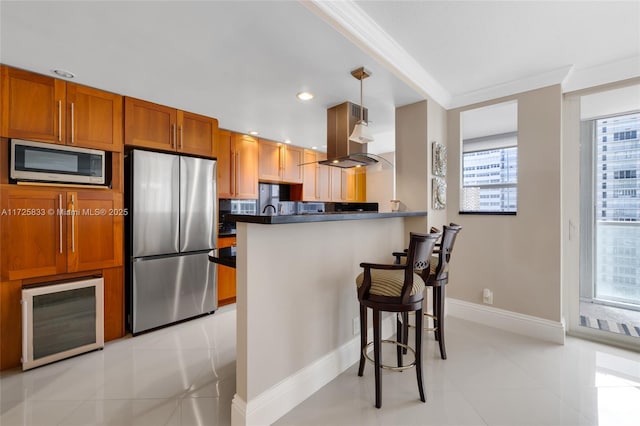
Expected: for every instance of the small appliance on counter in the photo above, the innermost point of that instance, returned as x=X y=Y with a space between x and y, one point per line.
x=310 y=208
x=226 y=227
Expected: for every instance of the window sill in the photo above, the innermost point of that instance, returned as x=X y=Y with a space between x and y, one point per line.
x=491 y=213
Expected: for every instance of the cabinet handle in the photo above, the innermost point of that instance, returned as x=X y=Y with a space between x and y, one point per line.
x=172 y=136
x=59 y=120
x=181 y=137
x=73 y=225
x=235 y=174
x=73 y=127
x=60 y=219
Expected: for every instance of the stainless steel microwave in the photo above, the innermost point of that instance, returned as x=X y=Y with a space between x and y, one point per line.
x=45 y=162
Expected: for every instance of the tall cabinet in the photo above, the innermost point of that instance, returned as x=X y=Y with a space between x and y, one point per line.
x=237 y=166
x=59 y=239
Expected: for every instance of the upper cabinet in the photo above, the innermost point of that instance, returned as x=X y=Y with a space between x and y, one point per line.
x=280 y=163
x=41 y=108
x=237 y=166
x=150 y=125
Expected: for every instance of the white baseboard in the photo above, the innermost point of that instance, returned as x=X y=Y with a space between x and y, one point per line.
x=275 y=402
x=543 y=329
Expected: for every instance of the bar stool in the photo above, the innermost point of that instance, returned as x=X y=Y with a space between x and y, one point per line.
x=394 y=288
x=437 y=277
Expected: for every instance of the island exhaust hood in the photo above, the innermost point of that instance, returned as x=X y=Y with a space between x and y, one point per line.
x=342 y=152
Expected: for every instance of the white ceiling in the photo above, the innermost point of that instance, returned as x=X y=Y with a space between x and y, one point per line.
x=243 y=62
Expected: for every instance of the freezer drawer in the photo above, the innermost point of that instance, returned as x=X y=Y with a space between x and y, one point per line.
x=170 y=289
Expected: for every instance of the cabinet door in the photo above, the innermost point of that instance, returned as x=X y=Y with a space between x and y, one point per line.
x=196 y=133
x=149 y=125
x=246 y=167
x=224 y=182
x=94 y=118
x=226 y=277
x=33 y=229
x=324 y=179
x=32 y=106
x=336 y=183
x=95 y=230
x=310 y=177
x=348 y=185
x=292 y=158
x=270 y=161
x=361 y=184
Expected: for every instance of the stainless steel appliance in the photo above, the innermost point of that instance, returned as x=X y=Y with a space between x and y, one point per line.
x=61 y=320
x=45 y=162
x=171 y=228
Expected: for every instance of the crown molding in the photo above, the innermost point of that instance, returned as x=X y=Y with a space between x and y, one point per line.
x=350 y=20
x=549 y=78
x=602 y=74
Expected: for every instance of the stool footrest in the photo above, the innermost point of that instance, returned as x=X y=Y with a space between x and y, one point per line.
x=424 y=328
x=390 y=367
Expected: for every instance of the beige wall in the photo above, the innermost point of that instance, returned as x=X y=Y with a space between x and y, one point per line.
x=518 y=257
x=418 y=125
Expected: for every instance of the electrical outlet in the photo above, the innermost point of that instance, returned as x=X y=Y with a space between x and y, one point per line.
x=356 y=326
x=487 y=296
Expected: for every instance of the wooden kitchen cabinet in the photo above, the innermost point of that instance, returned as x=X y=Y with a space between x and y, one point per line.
x=280 y=163
x=32 y=244
x=310 y=177
x=52 y=232
x=95 y=235
x=160 y=127
x=41 y=108
x=226 y=276
x=237 y=166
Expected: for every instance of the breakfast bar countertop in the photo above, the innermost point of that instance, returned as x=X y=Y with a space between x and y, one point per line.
x=320 y=217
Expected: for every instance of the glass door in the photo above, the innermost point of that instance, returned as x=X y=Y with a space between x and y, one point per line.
x=610 y=225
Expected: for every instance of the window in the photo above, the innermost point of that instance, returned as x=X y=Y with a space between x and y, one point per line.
x=490 y=159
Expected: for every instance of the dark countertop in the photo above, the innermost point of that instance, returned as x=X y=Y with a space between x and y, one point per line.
x=320 y=217
x=225 y=256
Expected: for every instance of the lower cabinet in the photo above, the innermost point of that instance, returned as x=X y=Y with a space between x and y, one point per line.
x=226 y=276
x=11 y=313
x=51 y=235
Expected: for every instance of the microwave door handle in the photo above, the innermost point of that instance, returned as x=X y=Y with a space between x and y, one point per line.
x=60 y=219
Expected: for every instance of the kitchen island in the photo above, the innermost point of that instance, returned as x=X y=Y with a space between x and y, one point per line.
x=297 y=303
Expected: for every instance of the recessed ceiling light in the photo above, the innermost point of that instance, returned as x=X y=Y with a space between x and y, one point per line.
x=253 y=133
x=287 y=141
x=304 y=96
x=63 y=73
x=314 y=147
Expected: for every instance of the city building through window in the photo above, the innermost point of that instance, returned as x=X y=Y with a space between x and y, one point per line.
x=490 y=159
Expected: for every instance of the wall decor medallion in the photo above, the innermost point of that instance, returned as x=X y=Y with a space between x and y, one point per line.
x=439 y=159
x=439 y=193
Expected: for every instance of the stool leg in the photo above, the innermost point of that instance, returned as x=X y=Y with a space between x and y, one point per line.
x=405 y=330
x=441 y=296
x=436 y=314
x=376 y=355
x=419 y=332
x=363 y=338
x=399 y=338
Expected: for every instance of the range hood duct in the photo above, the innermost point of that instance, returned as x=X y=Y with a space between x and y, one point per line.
x=342 y=152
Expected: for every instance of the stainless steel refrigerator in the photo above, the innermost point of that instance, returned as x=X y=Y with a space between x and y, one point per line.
x=171 y=228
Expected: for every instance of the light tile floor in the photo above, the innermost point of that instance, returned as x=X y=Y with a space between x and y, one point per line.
x=185 y=375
